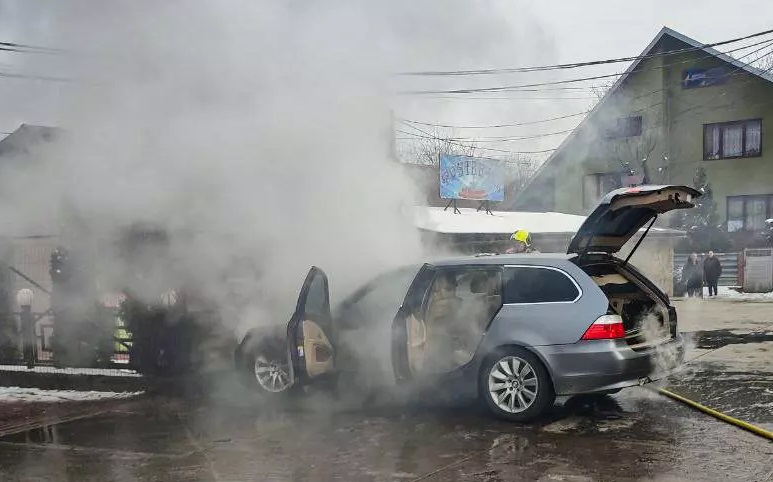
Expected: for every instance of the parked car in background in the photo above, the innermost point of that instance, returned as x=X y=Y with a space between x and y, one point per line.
x=521 y=329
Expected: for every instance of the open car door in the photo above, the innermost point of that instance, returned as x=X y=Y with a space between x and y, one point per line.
x=621 y=213
x=310 y=329
x=409 y=328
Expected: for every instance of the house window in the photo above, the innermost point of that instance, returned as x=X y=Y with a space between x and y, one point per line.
x=597 y=185
x=748 y=213
x=728 y=140
x=625 y=127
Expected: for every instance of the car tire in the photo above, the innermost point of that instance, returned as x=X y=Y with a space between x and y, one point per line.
x=519 y=395
x=263 y=364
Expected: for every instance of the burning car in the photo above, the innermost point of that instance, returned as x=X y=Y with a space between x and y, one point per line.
x=521 y=329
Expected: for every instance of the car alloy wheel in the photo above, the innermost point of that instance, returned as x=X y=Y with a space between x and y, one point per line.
x=272 y=375
x=513 y=384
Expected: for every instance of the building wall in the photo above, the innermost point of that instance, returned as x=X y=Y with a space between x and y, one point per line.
x=672 y=123
x=742 y=97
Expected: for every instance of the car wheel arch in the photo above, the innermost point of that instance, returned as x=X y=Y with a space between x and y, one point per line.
x=508 y=346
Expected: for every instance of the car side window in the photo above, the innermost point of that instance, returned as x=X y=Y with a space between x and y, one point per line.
x=538 y=284
x=316 y=300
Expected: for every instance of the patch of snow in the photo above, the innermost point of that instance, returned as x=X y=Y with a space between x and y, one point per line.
x=107 y=372
x=501 y=222
x=726 y=292
x=18 y=394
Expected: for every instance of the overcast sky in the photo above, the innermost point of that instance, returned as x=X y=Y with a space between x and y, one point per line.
x=539 y=32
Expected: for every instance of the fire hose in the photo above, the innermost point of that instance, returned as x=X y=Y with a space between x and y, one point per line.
x=717 y=414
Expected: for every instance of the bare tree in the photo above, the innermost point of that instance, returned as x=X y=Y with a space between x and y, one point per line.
x=426 y=150
x=520 y=169
x=634 y=154
x=600 y=90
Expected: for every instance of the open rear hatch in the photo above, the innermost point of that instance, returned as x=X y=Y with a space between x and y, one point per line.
x=647 y=317
x=621 y=213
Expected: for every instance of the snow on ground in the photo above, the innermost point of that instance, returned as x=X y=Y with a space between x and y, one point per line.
x=18 y=394
x=726 y=292
x=108 y=372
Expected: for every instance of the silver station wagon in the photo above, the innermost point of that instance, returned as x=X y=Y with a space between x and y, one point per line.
x=519 y=329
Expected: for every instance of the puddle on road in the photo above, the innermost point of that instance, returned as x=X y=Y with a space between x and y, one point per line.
x=711 y=340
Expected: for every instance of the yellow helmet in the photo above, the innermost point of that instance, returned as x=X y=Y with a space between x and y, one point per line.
x=522 y=236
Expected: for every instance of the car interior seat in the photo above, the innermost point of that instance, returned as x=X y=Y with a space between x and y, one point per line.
x=443 y=302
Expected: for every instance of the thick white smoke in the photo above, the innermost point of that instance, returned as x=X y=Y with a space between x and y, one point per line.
x=263 y=128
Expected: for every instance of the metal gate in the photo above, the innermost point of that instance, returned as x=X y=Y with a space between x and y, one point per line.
x=26 y=319
x=758 y=270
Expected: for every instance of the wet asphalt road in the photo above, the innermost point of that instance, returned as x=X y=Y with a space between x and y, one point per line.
x=633 y=436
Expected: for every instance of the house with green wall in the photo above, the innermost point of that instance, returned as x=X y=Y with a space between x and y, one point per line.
x=680 y=106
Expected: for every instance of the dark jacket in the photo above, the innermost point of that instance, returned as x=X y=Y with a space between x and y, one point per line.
x=692 y=275
x=712 y=268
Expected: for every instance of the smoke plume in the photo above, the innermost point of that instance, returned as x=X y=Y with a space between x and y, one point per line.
x=258 y=134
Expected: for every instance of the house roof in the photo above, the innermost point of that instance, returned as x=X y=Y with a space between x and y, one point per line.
x=664 y=32
x=24 y=137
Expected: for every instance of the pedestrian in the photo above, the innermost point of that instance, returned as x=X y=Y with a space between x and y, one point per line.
x=712 y=270
x=692 y=275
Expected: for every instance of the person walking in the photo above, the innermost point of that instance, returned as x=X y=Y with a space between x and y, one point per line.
x=693 y=276
x=712 y=270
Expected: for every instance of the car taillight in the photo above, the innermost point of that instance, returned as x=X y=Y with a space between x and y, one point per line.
x=606 y=327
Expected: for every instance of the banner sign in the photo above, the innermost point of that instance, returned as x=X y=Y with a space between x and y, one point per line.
x=694 y=78
x=475 y=178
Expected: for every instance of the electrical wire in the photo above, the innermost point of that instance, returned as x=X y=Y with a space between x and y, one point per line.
x=768 y=43
x=429 y=136
x=11 y=75
x=29 y=47
x=519 y=87
x=496 y=126
x=583 y=64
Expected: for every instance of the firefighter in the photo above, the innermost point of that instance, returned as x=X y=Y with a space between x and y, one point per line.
x=520 y=243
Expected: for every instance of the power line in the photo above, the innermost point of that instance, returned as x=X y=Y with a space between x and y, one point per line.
x=734 y=72
x=520 y=87
x=455 y=141
x=430 y=136
x=495 y=126
x=581 y=64
x=23 y=51
x=11 y=75
x=29 y=47
x=509 y=98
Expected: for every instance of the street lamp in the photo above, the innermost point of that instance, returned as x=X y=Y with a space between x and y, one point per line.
x=24 y=298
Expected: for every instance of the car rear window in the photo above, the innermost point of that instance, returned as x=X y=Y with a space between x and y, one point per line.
x=538 y=284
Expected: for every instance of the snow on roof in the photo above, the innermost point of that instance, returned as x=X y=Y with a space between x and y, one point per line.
x=471 y=221
x=502 y=222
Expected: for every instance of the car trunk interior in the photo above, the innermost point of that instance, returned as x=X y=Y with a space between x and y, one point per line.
x=645 y=316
